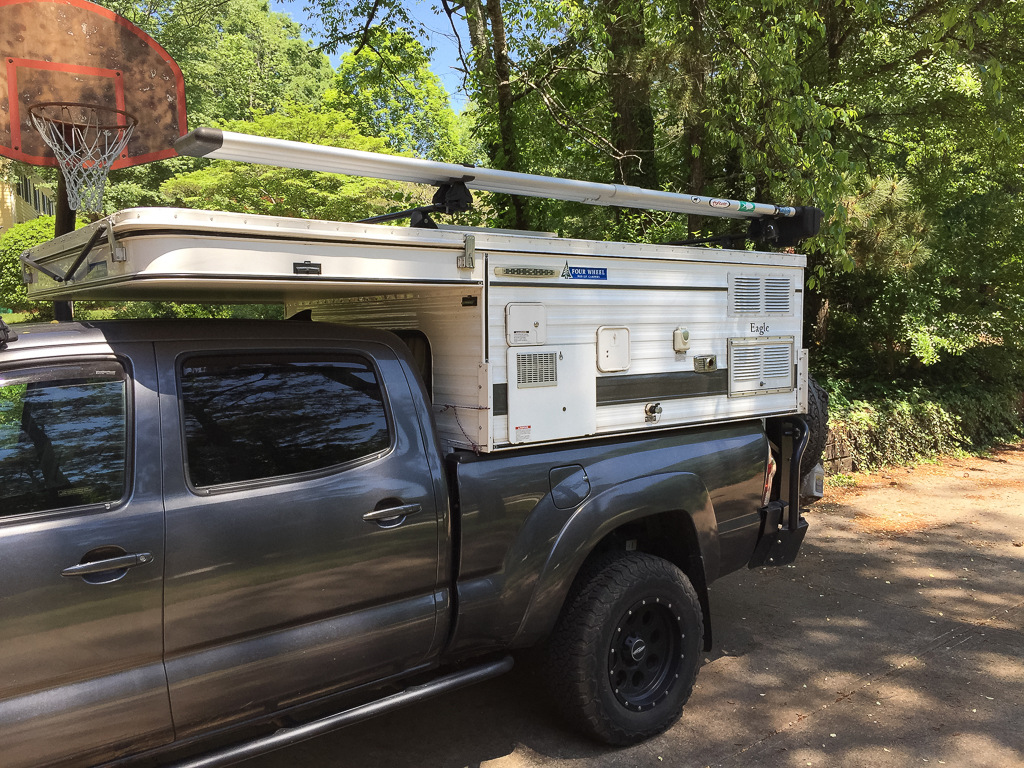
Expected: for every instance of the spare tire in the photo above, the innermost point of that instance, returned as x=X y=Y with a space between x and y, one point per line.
x=817 y=420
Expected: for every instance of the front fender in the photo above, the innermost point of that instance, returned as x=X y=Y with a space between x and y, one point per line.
x=680 y=493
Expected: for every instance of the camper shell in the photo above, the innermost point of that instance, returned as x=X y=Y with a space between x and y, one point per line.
x=523 y=338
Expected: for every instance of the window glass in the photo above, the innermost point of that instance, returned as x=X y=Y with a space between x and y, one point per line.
x=63 y=437
x=249 y=417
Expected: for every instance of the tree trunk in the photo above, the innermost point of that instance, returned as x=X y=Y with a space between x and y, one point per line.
x=493 y=74
x=629 y=88
x=696 y=129
x=508 y=157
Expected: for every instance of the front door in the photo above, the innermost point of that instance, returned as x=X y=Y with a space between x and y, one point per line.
x=81 y=559
x=287 y=576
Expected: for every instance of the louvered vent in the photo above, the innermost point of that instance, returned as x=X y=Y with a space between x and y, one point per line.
x=760 y=367
x=752 y=295
x=537 y=369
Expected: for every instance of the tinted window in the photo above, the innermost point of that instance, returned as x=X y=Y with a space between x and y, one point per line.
x=63 y=437
x=258 y=416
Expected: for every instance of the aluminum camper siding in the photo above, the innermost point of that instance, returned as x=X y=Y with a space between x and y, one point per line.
x=651 y=298
x=679 y=287
x=454 y=285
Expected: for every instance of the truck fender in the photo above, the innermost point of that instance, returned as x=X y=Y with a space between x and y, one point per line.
x=680 y=493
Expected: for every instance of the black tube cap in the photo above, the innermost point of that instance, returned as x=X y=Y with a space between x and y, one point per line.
x=200 y=142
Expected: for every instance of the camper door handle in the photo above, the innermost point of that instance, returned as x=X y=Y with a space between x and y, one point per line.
x=391 y=514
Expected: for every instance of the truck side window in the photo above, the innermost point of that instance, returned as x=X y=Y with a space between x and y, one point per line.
x=63 y=437
x=256 y=416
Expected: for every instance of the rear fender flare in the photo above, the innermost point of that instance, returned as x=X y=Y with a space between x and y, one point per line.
x=676 y=492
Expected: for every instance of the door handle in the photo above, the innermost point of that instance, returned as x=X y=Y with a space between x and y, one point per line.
x=110 y=564
x=391 y=513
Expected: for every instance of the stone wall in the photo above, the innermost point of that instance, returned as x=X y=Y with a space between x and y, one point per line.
x=838 y=456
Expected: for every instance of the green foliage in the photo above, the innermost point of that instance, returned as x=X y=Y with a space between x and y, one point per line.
x=13 y=242
x=174 y=310
x=887 y=426
x=238 y=58
x=840 y=480
x=898 y=431
x=388 y=88
x=262 y=189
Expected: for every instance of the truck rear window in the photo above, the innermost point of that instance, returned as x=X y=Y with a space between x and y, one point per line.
x=63 y=437
x=256 y=416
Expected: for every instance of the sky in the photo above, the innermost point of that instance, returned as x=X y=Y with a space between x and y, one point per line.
x=445 y=57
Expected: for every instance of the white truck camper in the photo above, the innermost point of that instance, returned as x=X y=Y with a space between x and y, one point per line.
x=523 y=338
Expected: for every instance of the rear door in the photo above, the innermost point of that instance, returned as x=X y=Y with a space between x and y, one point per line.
x=303 y=534
x=81 y=558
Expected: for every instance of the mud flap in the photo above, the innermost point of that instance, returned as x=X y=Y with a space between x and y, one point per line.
x=779 y=543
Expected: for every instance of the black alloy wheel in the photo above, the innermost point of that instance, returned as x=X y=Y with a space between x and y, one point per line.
x=644 y=659
x=624 y=656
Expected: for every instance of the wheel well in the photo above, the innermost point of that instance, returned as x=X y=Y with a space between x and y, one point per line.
x=668 y=535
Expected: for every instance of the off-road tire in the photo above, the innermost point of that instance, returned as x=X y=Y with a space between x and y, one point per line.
x=625 y=653
x=817 y=420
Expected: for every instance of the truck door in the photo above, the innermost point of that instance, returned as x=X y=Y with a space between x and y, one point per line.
x=81 y=561
x=303 y=532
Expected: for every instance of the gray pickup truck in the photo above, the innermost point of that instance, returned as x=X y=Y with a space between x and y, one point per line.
x=219 y=537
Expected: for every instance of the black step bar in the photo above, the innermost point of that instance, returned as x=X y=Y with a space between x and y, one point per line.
x=285 y=737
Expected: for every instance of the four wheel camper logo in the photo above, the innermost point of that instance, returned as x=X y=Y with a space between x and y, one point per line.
x=584 y=273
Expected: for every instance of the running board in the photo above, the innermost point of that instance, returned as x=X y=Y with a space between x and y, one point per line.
x=286 y=737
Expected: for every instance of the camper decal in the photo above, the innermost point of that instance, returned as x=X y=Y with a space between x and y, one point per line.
x=584 y=273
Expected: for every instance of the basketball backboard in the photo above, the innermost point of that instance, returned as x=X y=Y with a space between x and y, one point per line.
x=76 y=51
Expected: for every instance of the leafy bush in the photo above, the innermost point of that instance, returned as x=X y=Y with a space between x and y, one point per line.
x=13 y=242
x=910 y=427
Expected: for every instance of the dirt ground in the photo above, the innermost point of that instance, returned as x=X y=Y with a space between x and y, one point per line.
x=895 y=639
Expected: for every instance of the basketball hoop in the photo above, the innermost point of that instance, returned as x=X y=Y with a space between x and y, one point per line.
x=87 y=139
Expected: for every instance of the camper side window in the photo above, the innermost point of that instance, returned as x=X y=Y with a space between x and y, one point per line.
x=258 y=416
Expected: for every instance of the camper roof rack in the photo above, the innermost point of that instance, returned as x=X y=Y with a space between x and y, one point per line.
x=781 y=225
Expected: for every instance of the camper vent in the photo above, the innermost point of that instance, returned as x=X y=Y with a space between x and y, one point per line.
x=760 y=367
x=537 y=369
x=751 y=295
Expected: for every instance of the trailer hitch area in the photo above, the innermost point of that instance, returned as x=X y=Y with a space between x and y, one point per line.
x=779 y=542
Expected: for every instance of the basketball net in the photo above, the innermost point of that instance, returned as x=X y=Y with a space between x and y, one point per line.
x=86 y=140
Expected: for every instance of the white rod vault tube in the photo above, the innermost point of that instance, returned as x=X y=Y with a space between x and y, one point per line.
x=226 y=145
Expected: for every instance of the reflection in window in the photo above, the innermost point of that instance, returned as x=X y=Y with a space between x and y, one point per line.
x=259 y=416
x=63 y=437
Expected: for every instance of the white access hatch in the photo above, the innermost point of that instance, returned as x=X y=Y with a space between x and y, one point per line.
x=552 y=392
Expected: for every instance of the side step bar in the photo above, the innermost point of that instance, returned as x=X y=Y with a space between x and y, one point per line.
x=285 y=737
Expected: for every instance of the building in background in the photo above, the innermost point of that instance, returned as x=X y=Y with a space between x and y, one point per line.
x=23 y=195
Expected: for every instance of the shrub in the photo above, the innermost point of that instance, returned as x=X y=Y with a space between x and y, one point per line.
x=909 y=427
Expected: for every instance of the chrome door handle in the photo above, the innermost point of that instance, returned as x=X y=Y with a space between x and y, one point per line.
x=110 y=564
x=391 y=513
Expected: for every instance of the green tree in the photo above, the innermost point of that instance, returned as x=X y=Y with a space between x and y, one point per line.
x=389 y=89
x=239 y=60
x=13 y=242
x=250 y=188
